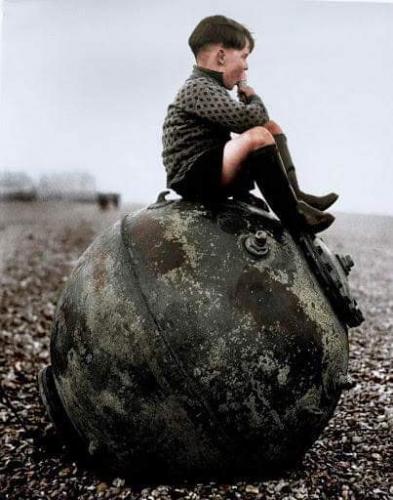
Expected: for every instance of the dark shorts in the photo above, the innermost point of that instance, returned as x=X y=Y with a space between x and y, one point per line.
x=203 y=180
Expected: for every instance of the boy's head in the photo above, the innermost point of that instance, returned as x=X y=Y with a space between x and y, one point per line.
x=222 y=44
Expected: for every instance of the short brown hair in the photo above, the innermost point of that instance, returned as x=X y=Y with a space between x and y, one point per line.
x=220 y=29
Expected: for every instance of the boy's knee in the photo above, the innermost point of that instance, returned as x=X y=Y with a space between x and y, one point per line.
x=258 y=137
x=273 y=127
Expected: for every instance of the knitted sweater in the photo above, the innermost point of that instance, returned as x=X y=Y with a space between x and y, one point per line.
x=201 y=117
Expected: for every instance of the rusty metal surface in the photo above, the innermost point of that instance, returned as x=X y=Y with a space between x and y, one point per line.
x=175 y=346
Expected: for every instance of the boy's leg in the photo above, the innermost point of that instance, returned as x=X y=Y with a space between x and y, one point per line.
x=258 y=147
x=319 y=202
x=238 y=149
x=235 y=171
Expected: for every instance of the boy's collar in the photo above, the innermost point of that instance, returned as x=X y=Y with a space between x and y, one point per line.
x=217 y=75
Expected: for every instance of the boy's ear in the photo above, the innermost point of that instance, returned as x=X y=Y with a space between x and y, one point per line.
x=220 y=57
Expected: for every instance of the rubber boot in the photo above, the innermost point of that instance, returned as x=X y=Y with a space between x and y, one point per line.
x=269 y=173
x=241 y=187
x=319 y=202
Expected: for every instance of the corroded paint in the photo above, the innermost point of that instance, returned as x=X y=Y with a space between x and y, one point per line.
x=173 y=346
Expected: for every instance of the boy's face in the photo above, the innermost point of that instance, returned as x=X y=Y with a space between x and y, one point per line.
x=234 y=64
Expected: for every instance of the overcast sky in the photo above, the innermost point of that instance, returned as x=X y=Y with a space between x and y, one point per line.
x=86 y=85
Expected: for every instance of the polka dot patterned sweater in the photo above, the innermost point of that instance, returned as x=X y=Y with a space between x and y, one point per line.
x=201 y=117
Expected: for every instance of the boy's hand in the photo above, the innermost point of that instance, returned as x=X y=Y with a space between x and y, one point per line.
x=244 y=91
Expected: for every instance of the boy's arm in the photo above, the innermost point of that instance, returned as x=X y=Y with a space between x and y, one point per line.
x=216 y=105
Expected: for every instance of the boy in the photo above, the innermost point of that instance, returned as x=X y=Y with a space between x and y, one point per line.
x=201 y=159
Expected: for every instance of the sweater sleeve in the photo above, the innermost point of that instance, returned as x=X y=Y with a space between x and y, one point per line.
x=215 y=104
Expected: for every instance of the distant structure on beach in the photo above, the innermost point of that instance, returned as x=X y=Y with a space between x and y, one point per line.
x=74 y=186
x=68 y=186
x=17 y=186
x=108 y=200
